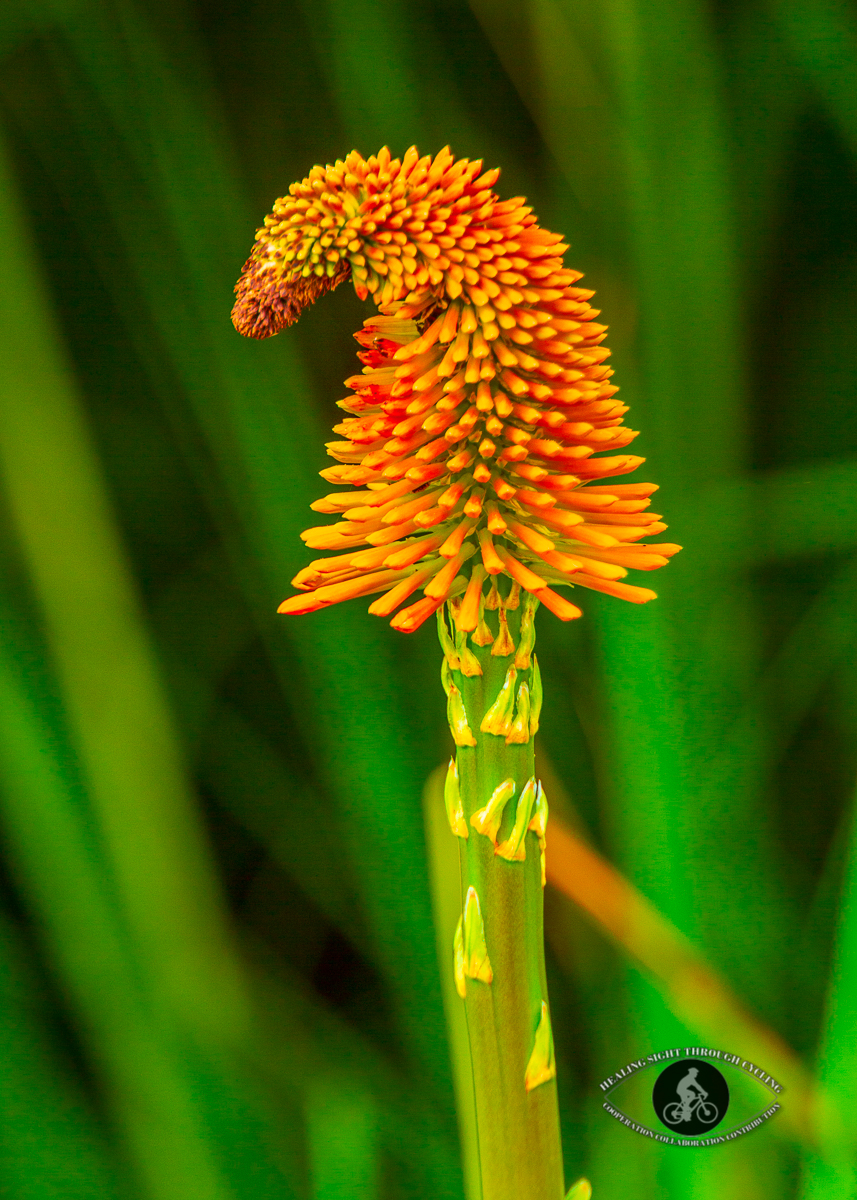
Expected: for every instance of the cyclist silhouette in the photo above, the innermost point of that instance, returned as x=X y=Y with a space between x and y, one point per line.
x=693 y=1101
x=689 y=1089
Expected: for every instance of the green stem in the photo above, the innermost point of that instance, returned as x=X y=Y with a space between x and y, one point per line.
x=493 y=798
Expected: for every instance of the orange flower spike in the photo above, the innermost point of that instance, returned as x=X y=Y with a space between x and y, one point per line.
x=484 y=366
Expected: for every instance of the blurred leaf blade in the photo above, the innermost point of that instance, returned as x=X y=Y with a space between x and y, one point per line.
x=823 y=39
x=46 y=1117
x=832 y=1171
x=156 y=864
x=94 y=629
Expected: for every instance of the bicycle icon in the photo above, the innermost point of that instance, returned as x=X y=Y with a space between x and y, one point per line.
x=677 y=1112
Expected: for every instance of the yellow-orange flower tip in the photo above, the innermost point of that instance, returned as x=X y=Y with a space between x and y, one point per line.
x=478 y=427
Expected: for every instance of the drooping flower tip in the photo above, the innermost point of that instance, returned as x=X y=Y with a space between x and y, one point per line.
x=265 y=305
x=482 y=404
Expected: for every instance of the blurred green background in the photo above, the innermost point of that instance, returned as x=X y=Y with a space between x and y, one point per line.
x=218 y=977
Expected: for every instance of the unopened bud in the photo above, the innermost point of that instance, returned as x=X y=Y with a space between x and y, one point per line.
x=498 y=719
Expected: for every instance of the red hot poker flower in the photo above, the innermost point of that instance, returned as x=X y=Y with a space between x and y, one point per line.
x=476 y=427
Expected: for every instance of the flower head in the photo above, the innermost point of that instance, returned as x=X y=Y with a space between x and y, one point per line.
x=483 y=402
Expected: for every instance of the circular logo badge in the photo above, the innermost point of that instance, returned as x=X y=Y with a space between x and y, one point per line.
x=690 y=1097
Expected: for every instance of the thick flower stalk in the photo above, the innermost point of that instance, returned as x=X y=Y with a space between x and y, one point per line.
x=482 y=429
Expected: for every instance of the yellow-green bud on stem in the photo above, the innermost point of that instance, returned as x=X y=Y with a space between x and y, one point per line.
x=452 y=800
x=498 y=811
